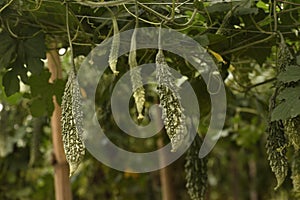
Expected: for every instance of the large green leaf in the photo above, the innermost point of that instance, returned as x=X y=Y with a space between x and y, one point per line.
x=259 y=54
x=246 y=11
x=219 y=7
x=39 y=84
x=13 y=99
x=289 y=106
x=35 y=47
x=20 y=70
x=292 y=74
x=37 y=107
x=11 y=83
x=35 y=65
x=58 y=89
x=41 y=94
x=7 y=49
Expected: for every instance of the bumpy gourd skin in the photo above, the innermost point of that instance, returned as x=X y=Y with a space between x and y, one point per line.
x=292 y=127
x=114 y=50
x=172 y=111
x=277 y=139
x=296 y=174
x=136 y=78
x=72 y=130
x=196 y=171
x=276 y=151
x=292 y=130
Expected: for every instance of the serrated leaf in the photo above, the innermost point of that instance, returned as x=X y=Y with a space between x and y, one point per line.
x=292 y=74
x=11 y=83
x=289 y=107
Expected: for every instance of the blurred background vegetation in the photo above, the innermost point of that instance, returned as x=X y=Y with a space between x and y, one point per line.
x=242 y=35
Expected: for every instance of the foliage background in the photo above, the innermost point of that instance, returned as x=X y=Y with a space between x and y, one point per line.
x=246 y=34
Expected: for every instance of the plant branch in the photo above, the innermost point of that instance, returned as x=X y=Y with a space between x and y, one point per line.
x=289 y=2
x=6 y=5
x=102 y=4
x=248 y=45
x=164 y=18
x=69 y=38
x=141 y=19
x=259 y=84
x=275 y=15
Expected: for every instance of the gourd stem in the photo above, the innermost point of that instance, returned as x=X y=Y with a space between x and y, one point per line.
x=70 y=40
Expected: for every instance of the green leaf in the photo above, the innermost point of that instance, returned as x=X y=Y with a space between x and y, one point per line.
x=289 y=107
x=7 y=49
x=219 y=7
x=217 y=42
x=35 y=47
x=199 y=5
x=39 y=84
x=262 y=5
x=13 y=99
x=259 y=54
x=42 y=90
x=37 y=107
x=202 y=39
x=20 y=70
x=298 y=60
x=35 y=65
x=292 y=74
x=59 y=87
x=246 y=11
x=11 y=83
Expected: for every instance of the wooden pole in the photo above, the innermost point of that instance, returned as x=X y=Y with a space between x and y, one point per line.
x=61 y=168
x=167 y=188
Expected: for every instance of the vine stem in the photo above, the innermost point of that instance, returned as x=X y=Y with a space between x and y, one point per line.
x=102 y=4
x=6 y=5
x=167 y=19
x=141 y=19
x=275 y=15
x=289 y=2
x=69 y=39
x=248 y=45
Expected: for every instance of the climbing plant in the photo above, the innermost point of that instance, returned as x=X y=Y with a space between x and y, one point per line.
x=255 y=44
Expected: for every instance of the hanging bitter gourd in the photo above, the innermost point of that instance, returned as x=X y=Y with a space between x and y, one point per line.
x=136 y=79
x=172 y=111
x=296 y=173
x=196 y=171
x=285 y=56
x=276 y=151
x=72 y=129
x=277 y=139
x=114 y=50
x=292 y=130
